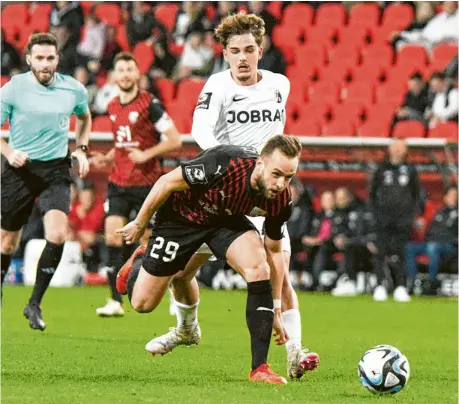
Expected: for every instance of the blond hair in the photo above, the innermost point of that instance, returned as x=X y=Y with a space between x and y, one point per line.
x=240 y=24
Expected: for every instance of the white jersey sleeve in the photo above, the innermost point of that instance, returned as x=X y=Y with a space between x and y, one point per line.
x=206 y=114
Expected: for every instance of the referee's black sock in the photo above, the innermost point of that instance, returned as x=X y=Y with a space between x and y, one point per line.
x=259 y=316
x=134 y=274
x=6 y=260
x=115 y=261
x=47 y=264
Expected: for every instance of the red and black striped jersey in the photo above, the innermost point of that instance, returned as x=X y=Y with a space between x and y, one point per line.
x=137 y=124
x=219 y=180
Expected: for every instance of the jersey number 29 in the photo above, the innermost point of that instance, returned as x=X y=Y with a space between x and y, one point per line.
x=170 y=250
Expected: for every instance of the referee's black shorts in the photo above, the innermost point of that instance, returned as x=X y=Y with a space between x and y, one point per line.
x=49 y=181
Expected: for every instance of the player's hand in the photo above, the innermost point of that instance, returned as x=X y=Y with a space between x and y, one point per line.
x=137 y=156
x=280 y=334
x=132 y=232
x=98 y=160
x=17 y=158
x=83 y=162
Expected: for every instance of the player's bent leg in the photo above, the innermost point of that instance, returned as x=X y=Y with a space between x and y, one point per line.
x=247 y=255
x=9 y=244
x=148 y=291
x=114 y=243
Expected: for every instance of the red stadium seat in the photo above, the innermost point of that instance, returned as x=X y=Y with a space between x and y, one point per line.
x=298 y=14
x=6 y=125
x=336 y=73
x=364 y=14
x=391 y=94
x=102 y=124
x=4 y=80
x=287 y=39
x=166 y=14
x=354 y=34
x=306 y=126
x=109 y=13
x=409 y=129
x=444 y=130
x=72 y=124
x=15 y=15
x=348 y=55
x=338 y=128
x=324 y=93
x=121 y=37
x=321 y=34
x=39 y=17
x=397 y=16
x=86 y=6
x=378 y=55
x=319 y=112
x=359 y=92
x=350 y=112
x=442 y=55
x=144 y=55
x=275 y=8
x=166 y=88
x=182 y=121
x=381 y=114
x=412 y=55
x=331 y=15
x=374 y=129
x=188 y=93
x=368 y=74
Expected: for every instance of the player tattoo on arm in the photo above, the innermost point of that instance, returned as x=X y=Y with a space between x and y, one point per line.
x=163 y=188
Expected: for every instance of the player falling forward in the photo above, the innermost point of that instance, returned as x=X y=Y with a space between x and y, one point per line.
x=204 y=201
x=138 y=120
x=242 y=106
x=39 y=105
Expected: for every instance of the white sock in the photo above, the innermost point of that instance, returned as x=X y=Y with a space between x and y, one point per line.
x=292 y=324
x=187 y=316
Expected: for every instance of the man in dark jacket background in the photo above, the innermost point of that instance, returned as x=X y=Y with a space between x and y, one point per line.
x=394 y=198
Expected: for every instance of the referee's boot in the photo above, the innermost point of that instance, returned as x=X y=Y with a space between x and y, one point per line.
x=33 y=313
x=123 y=274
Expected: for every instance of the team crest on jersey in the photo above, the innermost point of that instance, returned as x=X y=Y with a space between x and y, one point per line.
x=403 y=180
x=133 y=116
x=204 y=101
x=257 y=212
x=64 y=122
x=196 y=174
x=278 y=96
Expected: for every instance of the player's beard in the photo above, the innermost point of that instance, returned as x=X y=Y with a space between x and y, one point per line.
x=44 y=79
x=264 y=190
x=128 y=89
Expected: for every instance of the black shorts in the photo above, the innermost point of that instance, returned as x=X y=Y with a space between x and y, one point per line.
x=49 y=181
x=124 y=201
x=173 y=243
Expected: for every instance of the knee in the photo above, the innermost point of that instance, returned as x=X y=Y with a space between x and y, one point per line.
x=113 y=239
x=9 y=244
x=57 y=234
x=141 y=305
x=258 y=272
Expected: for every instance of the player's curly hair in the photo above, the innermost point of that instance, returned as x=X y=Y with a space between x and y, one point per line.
x=289 y=146
x=239 y=24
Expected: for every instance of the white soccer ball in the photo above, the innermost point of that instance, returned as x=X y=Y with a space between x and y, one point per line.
x=384 y=369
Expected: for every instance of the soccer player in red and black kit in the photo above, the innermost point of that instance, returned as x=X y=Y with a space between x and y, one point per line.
x=139 y=120
x=207 y=200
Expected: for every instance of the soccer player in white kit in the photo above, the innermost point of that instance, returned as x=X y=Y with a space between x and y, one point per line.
x=241 y=106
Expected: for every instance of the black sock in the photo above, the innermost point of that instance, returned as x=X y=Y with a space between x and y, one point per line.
x=91 y=258
x=259 y=322
x=114 y=262
x=47 y=264
x=133 y=275
x=6 y=260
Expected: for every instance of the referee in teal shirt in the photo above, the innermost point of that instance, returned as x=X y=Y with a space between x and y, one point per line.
x=38 y=105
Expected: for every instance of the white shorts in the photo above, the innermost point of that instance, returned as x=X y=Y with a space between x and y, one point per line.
x=258 y=222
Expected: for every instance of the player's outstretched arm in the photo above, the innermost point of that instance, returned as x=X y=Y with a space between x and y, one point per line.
x=163 y=188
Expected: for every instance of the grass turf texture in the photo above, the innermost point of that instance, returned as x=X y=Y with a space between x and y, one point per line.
x=83 y=359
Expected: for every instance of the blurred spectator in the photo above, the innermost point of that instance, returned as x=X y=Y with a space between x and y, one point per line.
x=224 y=9
x=67 y=51
x=196 y=58
x=424 y=13
x=445 y=105
x=10 y=56
x=441 y=28
x=320 y=233
x=70 y=15
x=273 y=59
x=190 y=18
x=164 y=63
x=259 y=8
x=440 y=241
x=104 y=95
x=451 y=71
x=394 y=199
x=415 y=102
x=112 y=48
x=299 y=224
x=82 y=75
x=86 y=223
x=92 y=45
x=142 y=25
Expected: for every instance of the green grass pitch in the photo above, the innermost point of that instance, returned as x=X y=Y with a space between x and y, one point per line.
x=83 y=359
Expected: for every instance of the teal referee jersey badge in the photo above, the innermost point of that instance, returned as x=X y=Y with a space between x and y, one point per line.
x=64 y=122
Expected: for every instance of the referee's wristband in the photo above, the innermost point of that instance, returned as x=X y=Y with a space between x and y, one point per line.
x=277 y=303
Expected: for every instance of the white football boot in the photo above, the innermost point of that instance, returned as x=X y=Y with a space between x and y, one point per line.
x=167 y=342
x=347 y=288
x=111 y=309
x=299 y=360
x=380 y=294
x=401 y=294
